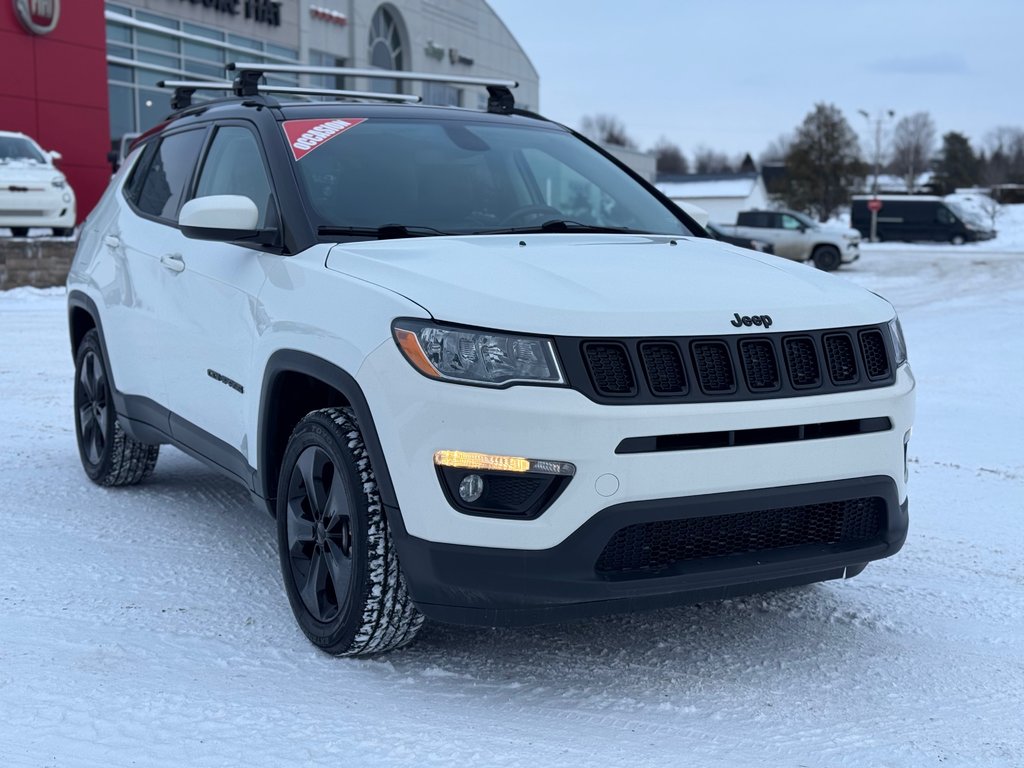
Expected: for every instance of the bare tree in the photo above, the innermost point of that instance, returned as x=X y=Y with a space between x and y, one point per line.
x=991 y=208
x=607 y=129
x=913 y=145
x=777 y=149
x=670 y=157
x=1005 y=159
x=707 y=160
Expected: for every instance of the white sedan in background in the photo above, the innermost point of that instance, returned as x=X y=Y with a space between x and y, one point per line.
x=33 y=193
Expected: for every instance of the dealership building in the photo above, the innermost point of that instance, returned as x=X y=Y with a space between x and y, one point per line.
x=87 y=70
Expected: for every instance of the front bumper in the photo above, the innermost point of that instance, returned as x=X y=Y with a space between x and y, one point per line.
x=851 y=252
x=416 y=416
x=501 y=587
x=42 y=207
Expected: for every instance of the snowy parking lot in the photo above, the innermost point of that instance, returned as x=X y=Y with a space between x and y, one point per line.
x=148 y=626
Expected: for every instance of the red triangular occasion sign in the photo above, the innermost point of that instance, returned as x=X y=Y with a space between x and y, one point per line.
x=306 y=135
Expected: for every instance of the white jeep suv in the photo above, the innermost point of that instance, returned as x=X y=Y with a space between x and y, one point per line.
x=478 y=370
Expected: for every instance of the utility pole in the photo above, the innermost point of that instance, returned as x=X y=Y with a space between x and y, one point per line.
x=879 y=121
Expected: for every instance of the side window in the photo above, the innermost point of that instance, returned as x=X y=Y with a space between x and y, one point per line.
x=943 y=216
x=133 y=186
x=234 y=166
x=759 y=219
x=163 y=182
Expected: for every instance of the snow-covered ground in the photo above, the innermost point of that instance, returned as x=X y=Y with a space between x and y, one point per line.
x=149 y=626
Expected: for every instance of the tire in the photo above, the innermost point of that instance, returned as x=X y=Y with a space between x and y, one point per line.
x=109 y=456
x=827 y=258
x=19 y=231
x=338 y=559
x=957 y=240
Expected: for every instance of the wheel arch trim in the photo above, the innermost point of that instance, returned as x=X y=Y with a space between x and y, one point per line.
x=285 y=361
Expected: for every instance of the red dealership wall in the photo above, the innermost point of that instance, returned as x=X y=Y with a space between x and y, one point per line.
x=54 y=88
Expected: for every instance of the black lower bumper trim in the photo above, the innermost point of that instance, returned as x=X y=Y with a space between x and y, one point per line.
x=501 y=587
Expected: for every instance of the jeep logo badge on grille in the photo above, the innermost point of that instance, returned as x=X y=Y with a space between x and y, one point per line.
x=748 y=320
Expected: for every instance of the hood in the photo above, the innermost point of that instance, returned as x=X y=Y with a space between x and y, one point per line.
x=848 y=232
x=598 y=285
x=14 y=171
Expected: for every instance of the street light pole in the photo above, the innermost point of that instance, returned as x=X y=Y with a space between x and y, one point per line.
x=878 y=121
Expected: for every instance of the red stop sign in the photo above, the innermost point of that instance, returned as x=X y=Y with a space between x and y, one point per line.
x=875 y=205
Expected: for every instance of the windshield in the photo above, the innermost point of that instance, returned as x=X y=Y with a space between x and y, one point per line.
x=966 y=215
x=462 y=177
x=807 y=222
x=16 y=148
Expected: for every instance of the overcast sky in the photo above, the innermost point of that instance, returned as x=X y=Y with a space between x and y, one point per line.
x=734 y=75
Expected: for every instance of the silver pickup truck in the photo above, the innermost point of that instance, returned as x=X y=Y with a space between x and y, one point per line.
x=795 y=236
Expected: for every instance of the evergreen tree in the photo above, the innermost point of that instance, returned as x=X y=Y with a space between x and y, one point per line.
x=823 y=163
x=957 y=165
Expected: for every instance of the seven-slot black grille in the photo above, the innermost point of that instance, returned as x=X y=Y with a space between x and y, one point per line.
x=760 y=368
x=876 y=361
x=842 y=363
x=649 y=548
x=802 y=361
x=608 y=364
x=737 y=367
x=663 y=367
x=714 y=367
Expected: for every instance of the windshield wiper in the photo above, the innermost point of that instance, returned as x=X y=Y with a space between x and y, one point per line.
x=560 y=225
x=386 y=232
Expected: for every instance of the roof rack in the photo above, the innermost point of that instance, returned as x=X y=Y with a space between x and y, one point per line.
x=184 y=90
x=500 y=96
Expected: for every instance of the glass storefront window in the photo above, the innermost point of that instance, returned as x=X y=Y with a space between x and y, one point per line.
x=118 y=9
x=203 y=52
x=117 y=72
x=119 y=34
x=198 y=31
x=159 y=59
x=119 y=50
x=245 y=42
x=122 y=111
x=156 y=41
x=152 y=18
x=153 y=107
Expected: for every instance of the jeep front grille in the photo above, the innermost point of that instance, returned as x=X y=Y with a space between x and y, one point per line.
x=737 y=367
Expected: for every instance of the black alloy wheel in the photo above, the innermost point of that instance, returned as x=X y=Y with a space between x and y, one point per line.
x=338 y=560
x=93 y=408
x=320 y=523
x=109 y=455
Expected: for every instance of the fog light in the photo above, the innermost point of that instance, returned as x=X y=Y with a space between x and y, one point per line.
x=492 y=485
x=471 y=488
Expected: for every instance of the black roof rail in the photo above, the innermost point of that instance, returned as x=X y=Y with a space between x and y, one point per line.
x=500 y=101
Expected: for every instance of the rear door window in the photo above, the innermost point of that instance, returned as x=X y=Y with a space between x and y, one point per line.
x=164 y=182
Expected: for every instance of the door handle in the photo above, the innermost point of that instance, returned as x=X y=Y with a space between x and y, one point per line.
x=112 y=242
x=173 y=261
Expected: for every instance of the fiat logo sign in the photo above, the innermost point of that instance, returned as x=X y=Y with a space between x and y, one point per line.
x=38 y=16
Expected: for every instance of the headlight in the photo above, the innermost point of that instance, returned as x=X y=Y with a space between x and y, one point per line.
x=476 y=356
x=59 y=182
x=899 y=344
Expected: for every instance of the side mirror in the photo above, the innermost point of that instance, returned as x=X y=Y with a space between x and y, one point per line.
x=55 y=156
x=219 y=217
x=803 y=227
